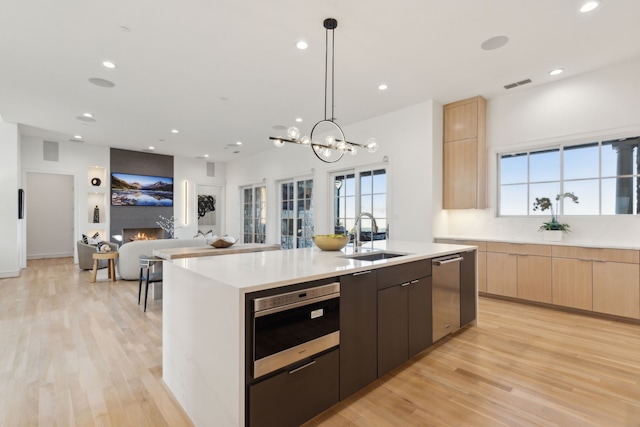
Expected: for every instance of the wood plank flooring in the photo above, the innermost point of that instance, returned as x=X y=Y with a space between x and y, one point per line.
x=74 y=353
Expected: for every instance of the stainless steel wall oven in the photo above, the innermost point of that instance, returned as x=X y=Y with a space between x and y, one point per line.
x=289 y=327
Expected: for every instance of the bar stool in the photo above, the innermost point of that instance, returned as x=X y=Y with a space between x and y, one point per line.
x=149 y=275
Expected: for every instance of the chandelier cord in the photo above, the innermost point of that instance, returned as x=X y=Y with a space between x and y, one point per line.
x=326 y=68
x=333 y=72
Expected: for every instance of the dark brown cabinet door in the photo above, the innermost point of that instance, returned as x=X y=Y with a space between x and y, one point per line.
x=393 y=335
x=358 y=331
x=468 y=288
x=420 y=316
x=297 y=395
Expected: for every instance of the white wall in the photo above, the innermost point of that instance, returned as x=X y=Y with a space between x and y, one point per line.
x=603 y=103
x=194 y=172
x=11 y=228
x=406 y=139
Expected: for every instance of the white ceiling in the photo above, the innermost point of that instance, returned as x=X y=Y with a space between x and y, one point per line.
x=222 y=71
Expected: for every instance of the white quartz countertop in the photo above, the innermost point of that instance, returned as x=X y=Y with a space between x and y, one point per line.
x=254 y=271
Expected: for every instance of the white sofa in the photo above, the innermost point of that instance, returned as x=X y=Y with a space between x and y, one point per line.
x=129 y=253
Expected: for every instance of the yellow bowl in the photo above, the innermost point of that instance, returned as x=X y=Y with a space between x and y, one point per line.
x=331 y=242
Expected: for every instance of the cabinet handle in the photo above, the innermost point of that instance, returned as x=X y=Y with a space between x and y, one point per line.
x=413 y=282
x=360 y=273
x=313 y=362
x=405 y=284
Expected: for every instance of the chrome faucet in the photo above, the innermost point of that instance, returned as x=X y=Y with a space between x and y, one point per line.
x=374 y=229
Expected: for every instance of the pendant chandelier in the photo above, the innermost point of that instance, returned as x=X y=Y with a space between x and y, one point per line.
x=335 y=144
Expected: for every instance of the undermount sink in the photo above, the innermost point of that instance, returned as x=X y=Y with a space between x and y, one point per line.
x=374 y=256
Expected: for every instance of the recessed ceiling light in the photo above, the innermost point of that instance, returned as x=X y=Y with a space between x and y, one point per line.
x=239 y=143
x=174 y=131
x=206 y=155
x=299 y=120
x=87 y=114
x=109 y=64
x=589 y=6
x=77 y=136
x=151 y=147
x=302 y=45
x=494 y=43
x=556 y=72
x=382 y=87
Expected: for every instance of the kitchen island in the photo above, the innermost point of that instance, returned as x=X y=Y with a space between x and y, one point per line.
x=205 y=312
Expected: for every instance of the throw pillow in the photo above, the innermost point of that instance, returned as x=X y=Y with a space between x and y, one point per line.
x=85 y=239
x=95 y=239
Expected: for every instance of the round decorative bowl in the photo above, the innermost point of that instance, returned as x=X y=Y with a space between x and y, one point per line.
x=222 y=242
x=331 y=242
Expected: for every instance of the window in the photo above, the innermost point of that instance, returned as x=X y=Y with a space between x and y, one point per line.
x=254 y=214
x=604 y=176
x=367 y=193
x=296 y=214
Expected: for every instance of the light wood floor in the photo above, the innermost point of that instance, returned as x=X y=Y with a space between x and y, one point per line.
x=79 y=354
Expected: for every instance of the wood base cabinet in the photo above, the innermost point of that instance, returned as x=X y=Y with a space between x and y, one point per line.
x=572 y=283
x=404 y=313
x=502 y=274
x=404 y=322
x=616 y=289
x=358 y=331
x=534 y=278
x=296 y=395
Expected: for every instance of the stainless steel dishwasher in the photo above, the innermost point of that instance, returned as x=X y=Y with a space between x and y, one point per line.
x=446 y=295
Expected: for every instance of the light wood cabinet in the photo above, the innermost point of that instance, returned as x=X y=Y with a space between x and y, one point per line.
x=502 y=274
x=464 y=154
x=572 y=283
x=615 y=288
x=534 y=278
x=601 y=280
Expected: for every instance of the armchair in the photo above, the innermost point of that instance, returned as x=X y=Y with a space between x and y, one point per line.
x=85 y=255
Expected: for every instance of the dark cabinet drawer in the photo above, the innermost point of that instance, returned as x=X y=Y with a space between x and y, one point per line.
x=296 y=395
x=397 y=274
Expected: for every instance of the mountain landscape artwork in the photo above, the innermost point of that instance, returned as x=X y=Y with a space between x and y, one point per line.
x=141 y=190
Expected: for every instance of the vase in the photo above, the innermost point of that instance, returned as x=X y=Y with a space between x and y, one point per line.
x=552 y=235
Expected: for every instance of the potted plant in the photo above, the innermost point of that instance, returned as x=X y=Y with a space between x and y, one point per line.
x=553 y=229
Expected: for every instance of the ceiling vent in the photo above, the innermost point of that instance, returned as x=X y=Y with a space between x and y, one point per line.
x=516 y=84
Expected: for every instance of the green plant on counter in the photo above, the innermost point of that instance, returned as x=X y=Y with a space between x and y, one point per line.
x=544 y=203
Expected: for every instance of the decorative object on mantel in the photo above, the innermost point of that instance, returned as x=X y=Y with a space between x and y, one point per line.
x=335 y=143
x=96 y=182
x=168 y=225
x=553 y=229
x=96 y=215
x=221 y=242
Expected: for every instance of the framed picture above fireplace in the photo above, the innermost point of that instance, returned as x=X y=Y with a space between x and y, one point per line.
x=141 y=190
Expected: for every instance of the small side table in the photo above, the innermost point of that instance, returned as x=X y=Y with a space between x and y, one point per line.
x=111 y=264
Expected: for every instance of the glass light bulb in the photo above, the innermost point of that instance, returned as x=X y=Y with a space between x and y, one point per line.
x=353 y=150
x=294 y=133
x=372 y=145
x=341 y=145
x=318 y=148
x=305 y=140
x=326 y=152
x=278 y=143
x=330 y=141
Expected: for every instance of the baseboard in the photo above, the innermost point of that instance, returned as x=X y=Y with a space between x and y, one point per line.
x=59 y=255
x=8 y=274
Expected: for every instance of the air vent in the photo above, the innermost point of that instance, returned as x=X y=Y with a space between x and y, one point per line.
x=516 y=84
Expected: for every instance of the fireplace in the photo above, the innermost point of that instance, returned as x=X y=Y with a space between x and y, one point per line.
x=133 y=234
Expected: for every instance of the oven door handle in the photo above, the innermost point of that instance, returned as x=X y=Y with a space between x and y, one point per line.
x=295 y=305
x=300 y=368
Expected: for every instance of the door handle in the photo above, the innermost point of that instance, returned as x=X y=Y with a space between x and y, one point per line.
x=447 y=261
x=300 y=368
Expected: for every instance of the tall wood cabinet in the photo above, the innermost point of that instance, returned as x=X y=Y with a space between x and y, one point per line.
x=465 y=154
